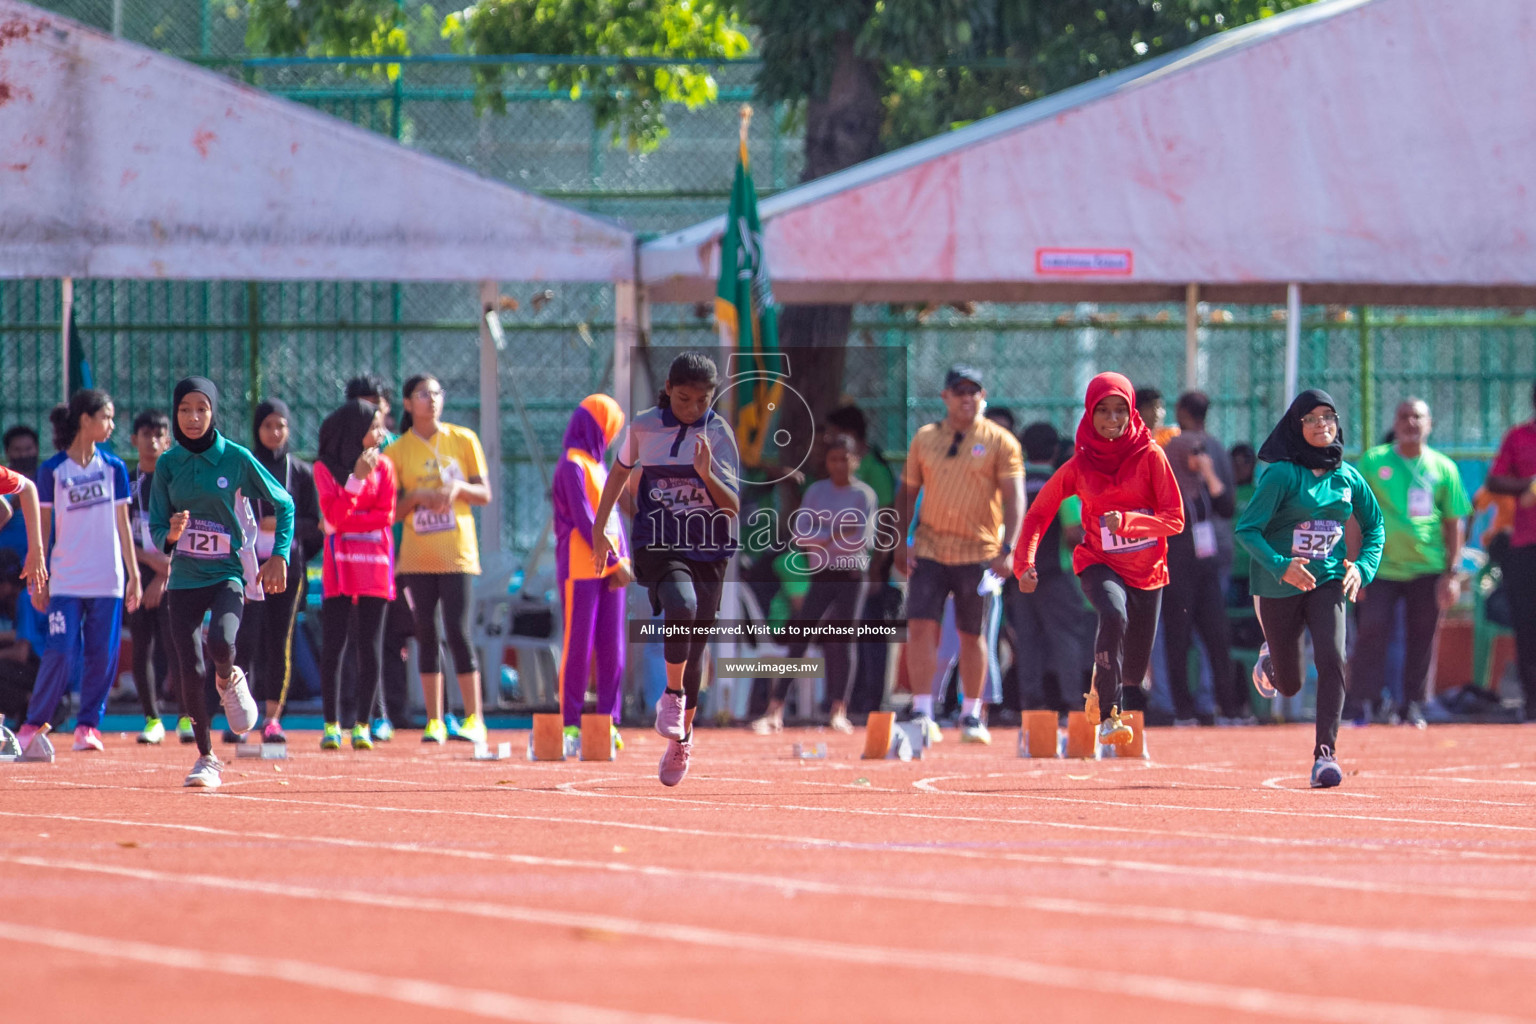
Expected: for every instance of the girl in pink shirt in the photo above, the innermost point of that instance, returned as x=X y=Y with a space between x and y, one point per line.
x=356 y=486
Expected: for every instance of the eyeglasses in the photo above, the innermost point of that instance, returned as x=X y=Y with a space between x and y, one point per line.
x=421 y=394
x=954 y=446
x=1330 y=419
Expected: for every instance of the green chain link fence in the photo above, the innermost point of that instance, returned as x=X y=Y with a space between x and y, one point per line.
x=302 y=341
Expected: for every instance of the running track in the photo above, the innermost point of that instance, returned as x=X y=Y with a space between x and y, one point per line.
x=413 y=883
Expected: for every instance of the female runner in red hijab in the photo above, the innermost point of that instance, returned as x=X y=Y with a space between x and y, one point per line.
x=1131 y=503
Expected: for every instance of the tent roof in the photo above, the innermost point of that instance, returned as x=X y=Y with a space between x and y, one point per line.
x=1371 y=150
x=117 y=161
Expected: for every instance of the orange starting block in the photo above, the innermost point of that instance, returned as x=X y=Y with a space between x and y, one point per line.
x=597 y=738
x=1039 y=735
x=547 y=741
x=884 y=737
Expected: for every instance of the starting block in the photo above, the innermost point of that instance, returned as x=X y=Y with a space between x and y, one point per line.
x=486 y=752
x=1039 y=735
x=39 y=751
x=1138 y=745
x=809 y=751
x=1082 y=739
x=547 y=741
x=265 y=751
x=597 y=742
x=886 y=738
x=10 y=750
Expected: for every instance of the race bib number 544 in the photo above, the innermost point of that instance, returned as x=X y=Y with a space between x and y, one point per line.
x=1314 y=538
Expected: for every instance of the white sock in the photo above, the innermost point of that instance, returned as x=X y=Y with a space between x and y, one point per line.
x=971 y=708
x=922 y=704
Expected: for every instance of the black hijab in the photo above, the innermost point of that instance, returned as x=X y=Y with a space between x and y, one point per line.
x=204 y=387
x=341 y=437
x=269 y=458
x=1287 y=442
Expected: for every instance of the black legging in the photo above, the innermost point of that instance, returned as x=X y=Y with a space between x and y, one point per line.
x=151 y=655
x=452 y=592
x=685 y=599
x=1320 y=612
x=264 y=648
x=835 y=594
x=1122 y=648
x=1520 y=583
x=1376 y=614
x=186 y=610
x=1194 y=600
x=359 y=626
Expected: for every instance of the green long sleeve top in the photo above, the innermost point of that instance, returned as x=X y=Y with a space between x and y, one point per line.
x=213 y=487
x=1294 y=513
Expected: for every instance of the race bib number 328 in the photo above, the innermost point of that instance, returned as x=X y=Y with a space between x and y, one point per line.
x=1315 y=538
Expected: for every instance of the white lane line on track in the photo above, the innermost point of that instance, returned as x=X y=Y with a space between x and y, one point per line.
x=1190 y=993
x=1305 y=932
x=1311 y=815
x=1194 y=871
x=414 y=991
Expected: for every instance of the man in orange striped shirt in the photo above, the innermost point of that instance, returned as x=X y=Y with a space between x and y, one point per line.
x=971 y=474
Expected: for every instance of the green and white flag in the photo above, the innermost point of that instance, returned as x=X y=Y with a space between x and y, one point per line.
x=746 y=311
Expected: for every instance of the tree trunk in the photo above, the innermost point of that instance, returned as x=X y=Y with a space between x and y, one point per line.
x=842 y=129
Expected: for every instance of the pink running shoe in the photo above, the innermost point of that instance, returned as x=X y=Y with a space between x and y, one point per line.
x=674 y=763
x=87 y=737
x=24 y=736
x=669 y=716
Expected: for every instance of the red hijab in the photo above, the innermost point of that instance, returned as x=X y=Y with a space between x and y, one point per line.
x=1097 y=453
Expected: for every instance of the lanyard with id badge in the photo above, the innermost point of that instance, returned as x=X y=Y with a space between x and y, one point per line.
x=1421 y=496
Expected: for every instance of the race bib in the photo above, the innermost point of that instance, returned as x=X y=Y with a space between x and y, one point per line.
x=425 y=520
x=1421 y=504
x=1205 y=539
x=1114 y=544
x=1314 y=538
x=676 y=494
x=204 y=538
x=83 y=492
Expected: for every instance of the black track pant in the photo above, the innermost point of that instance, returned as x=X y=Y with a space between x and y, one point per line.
x=838 y=595
x=346 y=626
x=186 y=610
x=1122 y=648
x=1376 y=615
x=265 y=643
x=393 y=699
x=151 y=655
x=1321 y=613
x=1193 y=600
x=451 y=592
x=1520 y=581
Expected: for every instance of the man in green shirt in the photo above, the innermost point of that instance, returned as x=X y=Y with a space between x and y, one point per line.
x=1423 y=508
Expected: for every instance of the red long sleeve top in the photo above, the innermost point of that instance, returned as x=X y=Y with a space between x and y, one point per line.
x=1146 y=495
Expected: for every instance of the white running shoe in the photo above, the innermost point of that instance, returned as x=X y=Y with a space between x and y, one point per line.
x=929 y=727
x=205 y=773
x=674 y=762
x=1264 y=675
x=239 y=705
x=88 y=737
x=973 y=731
x=669 y=717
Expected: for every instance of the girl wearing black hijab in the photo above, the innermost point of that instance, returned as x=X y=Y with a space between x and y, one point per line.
x=264 y=648
x=200 y=506
x=1293 y=527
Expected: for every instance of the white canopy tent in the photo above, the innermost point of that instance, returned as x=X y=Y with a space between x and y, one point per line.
x=120 y=162
x=1362 y=151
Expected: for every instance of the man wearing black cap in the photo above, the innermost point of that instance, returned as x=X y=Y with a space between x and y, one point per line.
x=971 y=475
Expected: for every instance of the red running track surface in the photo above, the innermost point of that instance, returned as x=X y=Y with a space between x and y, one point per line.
x=413 y=883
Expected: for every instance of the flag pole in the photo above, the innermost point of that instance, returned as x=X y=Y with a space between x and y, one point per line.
x=730 y=598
